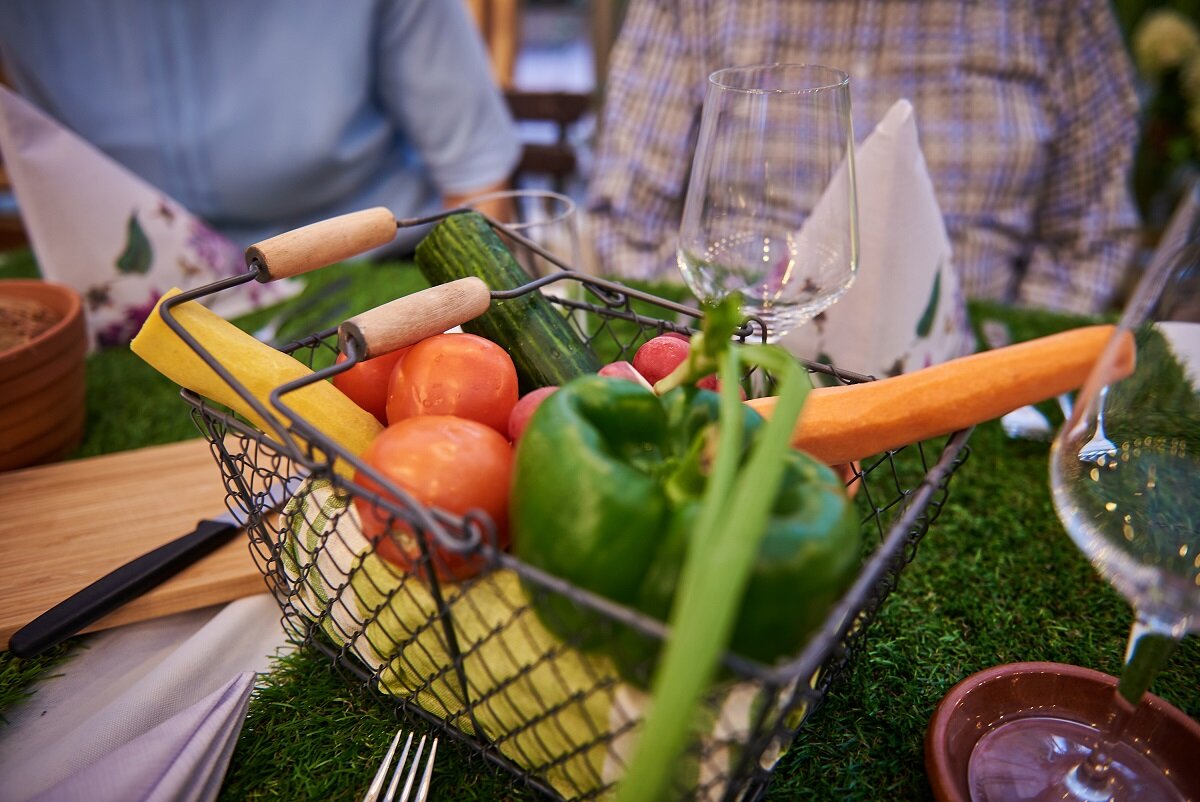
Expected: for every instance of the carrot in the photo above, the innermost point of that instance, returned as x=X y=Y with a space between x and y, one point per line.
x=846 y=423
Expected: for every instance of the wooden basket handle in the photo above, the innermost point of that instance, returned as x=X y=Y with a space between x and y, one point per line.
x=412 y=318
x=322 y=243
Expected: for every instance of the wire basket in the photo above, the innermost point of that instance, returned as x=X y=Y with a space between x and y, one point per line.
x=472 y=657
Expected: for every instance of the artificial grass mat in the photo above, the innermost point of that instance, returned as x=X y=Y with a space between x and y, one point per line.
x=996 y=580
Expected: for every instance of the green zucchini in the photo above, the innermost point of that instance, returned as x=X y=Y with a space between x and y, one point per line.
x=544 y=347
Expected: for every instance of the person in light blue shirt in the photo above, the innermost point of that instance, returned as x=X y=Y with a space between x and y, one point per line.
x=264 y=116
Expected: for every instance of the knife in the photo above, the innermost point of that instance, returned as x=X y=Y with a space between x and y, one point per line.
x=136 y=577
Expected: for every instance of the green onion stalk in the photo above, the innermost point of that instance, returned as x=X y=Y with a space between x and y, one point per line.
x=733 y=518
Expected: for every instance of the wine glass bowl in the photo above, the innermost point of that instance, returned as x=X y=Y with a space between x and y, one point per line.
x=771 y=211
x=1126 y=477
x=1125 y=482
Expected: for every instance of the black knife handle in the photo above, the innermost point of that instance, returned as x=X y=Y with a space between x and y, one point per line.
x=111 y=591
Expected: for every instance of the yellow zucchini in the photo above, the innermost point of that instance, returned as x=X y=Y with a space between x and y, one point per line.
x=256 y=365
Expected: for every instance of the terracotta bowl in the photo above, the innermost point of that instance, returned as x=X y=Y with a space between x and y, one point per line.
x=1020 y=690
x=42 y=404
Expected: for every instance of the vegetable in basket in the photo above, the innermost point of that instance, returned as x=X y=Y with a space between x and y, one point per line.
x=455 y=464
x=845 y=423
x=259 y=367
x=454 y=374
x=687 y=503
x=366 y=384
x=634 y=466
x=534 y=331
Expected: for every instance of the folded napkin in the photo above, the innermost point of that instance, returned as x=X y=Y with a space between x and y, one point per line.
x=181 y=760
x=143 y=711
x=906 y=308
x=106 y=232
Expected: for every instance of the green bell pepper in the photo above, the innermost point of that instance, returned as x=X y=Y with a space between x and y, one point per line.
x=606 y=489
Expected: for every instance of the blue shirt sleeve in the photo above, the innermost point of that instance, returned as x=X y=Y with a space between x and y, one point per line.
x=435 y=81
x=265 y=116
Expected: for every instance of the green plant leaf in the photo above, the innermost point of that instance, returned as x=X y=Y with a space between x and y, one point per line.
x=138 y=255
x=925 y=324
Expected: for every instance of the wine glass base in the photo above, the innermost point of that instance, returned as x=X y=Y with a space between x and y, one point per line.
x=1037 y=759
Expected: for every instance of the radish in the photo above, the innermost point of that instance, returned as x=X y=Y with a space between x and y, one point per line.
x=659 y=356
x=625 y=370
x=518 y=419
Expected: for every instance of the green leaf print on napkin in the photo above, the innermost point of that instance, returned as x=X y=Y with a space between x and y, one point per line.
x=925 y=324
x=138 y=255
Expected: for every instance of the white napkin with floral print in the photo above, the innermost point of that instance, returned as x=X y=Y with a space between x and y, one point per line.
x=906 y=309
x=106 y=232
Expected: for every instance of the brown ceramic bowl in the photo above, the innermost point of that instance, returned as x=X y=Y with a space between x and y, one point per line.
x=42 y=404
x=1020 y=690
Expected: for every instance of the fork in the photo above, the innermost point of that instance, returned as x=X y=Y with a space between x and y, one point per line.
x=381 y=774
x=1099 y=446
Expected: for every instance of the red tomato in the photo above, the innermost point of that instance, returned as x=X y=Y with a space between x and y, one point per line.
x=454 y=374
x=441 y=461
x=624 y=370
x=366 y=384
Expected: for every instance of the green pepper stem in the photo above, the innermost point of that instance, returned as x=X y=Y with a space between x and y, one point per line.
x=708 y=346
x=696 y=366
x=735 y=510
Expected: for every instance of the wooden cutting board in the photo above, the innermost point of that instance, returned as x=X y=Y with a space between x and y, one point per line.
x=62 y=526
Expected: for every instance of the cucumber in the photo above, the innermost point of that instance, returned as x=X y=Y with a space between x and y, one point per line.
x=544 y=347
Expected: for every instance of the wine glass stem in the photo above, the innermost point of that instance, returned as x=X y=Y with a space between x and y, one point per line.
x=1151 y=642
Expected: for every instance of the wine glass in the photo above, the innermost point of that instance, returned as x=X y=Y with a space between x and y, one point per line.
x=545 y=217
x=770 y=210
x=548 y=219
x=1125 y=476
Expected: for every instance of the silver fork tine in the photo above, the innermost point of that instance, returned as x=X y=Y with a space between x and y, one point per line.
x=412 y=774
x=381 y=774
x=391 y=791
x=423 y=791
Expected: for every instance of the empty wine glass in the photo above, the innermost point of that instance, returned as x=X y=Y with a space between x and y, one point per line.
x=1125 y=475
x=550 y=220
x=545 y=217
x=770 y=210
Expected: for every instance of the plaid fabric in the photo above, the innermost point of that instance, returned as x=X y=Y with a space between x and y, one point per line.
x=1026 y=112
